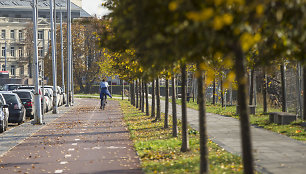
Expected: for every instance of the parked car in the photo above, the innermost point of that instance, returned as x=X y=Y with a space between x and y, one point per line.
x=58 y=101
x=17 y=112
x=27 y=98
x=10 y=87
x=4 y=114
x=49 y=99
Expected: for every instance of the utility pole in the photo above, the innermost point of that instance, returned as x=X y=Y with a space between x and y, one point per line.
x=62 y=51
x=69 y=53
x=53 y=60
x=38 y=116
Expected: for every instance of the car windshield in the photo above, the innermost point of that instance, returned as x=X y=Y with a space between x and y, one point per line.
x=24 y=94
x=12 y=87
x=10 y=98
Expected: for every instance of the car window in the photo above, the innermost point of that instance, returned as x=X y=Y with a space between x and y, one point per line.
x=24 y=94
x=12 y=87
x=10 y=98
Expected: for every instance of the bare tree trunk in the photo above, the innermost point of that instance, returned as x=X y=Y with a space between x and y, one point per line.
x=158 y=117
x=142 y=96
x=264 y=91
x=304 y=95
x=153 y=100
x=222 y=92
x=240 y=68
x=185 y=139
x=251 y=99
x=214 y=92
x=166 y=125
x=283 y=79
x=147 y=99
x=136 y=91
x=204 y=167
x=174 y=116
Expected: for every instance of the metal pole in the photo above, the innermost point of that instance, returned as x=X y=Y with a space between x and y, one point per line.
x=5 y=64
x=53 y=60
x=68 y=53
x=38 y=116
x=62 y=51
x=72 y=81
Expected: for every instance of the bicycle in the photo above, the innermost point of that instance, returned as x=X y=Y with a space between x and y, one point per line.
x=103 y=101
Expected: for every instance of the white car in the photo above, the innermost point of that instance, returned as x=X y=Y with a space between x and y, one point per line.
x=4 y=114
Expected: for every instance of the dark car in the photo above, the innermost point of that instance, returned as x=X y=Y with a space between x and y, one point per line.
x=3 y=114
x=11 y=87
x=27 y=98
x=16 y=108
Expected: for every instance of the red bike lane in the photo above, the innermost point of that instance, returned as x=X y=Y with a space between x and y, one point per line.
x=85 y=140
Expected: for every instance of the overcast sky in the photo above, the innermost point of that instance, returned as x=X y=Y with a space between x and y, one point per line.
x=94 y=7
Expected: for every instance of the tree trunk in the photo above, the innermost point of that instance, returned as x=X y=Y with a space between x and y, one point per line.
x=204 y=167
x=153 y=100
x=158 y=117
x=283 y=80
x=304 y=91
x=251 y=99
x=133 y=93
x=136 y=91
x=264 y=91
x=174 y=116
x=247 y=155
x=185 y=140
x=142 y=96
x=122 y=89
x=222 y=92
x=214 y=92
x=166 y=125
x=147 y=99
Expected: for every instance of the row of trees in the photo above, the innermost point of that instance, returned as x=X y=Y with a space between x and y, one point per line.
x=148 y=40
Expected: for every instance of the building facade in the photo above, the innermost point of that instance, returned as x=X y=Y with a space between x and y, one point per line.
x=15 y=23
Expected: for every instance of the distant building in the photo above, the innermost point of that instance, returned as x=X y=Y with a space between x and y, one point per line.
x=15 y=17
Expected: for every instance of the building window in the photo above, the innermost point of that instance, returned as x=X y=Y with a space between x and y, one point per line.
x=3 y=51
x=20 y=52
x=40 y=51
x=20 y=35
x=21 y=71
x=12 y=34
x=13 y=70
x=41 y=34
x=3 y=67
x=12 y=51
x=2 y=34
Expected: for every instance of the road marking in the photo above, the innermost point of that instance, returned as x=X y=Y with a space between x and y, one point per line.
x=96 y=148
x=71 y=149
x=83 y=129
x=114 y=147
x=58 y=171
x=82 y=132
x=64 y=162
x=68 y=156
x=74 y=144
x=76 y=139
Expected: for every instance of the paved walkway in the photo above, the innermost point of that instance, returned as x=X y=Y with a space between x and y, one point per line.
x=82 y=139
x=273 y=153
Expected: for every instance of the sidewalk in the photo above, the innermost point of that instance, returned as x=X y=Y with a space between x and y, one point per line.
x=81 y=139
x=273 y=153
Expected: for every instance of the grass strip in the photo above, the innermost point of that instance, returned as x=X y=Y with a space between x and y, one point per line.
x=295 y=130
x=160 y=152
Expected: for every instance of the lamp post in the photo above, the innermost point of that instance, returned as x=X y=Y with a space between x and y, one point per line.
x=69 y=53
x=62 y=50
x=53 y=60
x=5 y=64
x=38 y=116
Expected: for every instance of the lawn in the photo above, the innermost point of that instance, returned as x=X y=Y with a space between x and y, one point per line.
x=260 y=119
x=160 y=152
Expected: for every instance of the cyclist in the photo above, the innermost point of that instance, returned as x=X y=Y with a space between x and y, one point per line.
x=104 y=91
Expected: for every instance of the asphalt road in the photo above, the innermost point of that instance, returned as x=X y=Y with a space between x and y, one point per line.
x=83 y=139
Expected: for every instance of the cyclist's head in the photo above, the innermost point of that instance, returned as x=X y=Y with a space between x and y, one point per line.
x=103 y=80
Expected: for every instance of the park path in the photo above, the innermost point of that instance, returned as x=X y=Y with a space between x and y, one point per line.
x=81 y=139
x=273 y=153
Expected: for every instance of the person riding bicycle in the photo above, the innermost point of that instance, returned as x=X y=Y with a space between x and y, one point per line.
x=104 y=90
